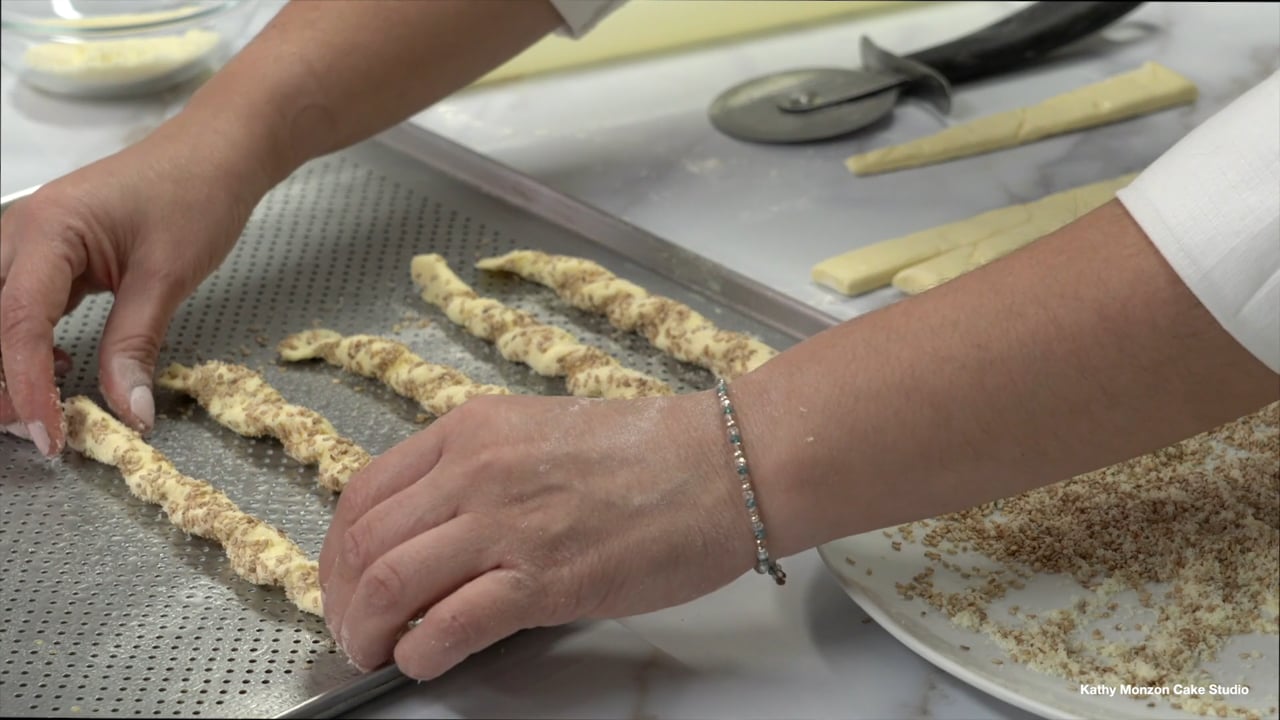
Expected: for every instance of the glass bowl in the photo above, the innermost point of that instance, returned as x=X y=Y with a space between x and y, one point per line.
x=118 y=48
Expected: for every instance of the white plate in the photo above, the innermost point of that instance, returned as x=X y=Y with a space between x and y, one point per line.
x=937 y=640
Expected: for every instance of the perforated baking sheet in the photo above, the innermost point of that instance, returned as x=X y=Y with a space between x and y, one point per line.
x=109 y=610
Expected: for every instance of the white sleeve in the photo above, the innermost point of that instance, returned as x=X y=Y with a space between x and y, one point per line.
x=582 y=15
x=1211 y=205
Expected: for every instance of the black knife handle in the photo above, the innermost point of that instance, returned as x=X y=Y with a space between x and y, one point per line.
x=1020 y=39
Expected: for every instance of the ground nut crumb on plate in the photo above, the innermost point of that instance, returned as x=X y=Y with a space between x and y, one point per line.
x=1184 y=539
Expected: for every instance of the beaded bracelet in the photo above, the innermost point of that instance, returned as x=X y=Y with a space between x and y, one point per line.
x=764 y=563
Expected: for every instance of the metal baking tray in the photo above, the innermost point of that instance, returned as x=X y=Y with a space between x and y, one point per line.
x=109 y=610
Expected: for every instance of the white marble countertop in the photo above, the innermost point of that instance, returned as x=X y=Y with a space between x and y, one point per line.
x=633 y=140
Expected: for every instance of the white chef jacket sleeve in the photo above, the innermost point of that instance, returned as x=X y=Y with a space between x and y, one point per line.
x=582 y=15
x=1211 y=205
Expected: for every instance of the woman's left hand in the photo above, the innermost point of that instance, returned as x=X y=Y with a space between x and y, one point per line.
x=518 y=512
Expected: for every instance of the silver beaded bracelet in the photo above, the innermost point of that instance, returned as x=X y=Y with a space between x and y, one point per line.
x=764 y=563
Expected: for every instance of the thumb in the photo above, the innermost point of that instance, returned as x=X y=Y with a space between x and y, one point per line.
x=131 y=342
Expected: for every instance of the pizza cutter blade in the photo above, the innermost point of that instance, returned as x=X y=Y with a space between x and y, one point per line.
x=821 y=103
x=757 y=111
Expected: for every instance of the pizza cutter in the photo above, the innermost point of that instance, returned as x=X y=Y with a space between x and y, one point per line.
x=820 y=103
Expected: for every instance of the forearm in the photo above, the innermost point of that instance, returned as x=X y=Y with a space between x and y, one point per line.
x=1079 y=352
x=328 y=73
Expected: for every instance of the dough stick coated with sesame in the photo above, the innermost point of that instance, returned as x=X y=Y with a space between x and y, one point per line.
x=258 y=552
x=670 y=326
x=240 y=399
x=550 y=351
x=437 y=388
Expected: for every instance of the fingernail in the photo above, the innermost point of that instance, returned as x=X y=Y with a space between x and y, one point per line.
x=143 y=406
x=39 y=436
x=61 y=366
x=18 y=429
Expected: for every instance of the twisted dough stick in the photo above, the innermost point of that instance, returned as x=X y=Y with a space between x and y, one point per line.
x=238 y=398
x=550 y=351
x=258 y=552
x=670 y=326
x=437 y=388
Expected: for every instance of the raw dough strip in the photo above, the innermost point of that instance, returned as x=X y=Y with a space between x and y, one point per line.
x=1145 y=90
x=550 y=351
x=645 y=28
x=258 y=552
x=240 y=399
x=670 y=326
x=874 y=266
x=437 y=388
x=1042 y=219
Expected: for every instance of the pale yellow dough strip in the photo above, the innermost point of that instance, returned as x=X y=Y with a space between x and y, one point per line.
x=437 y=388
x=258 y=552
x=874 y=266
x=1145 y=90
x=240 y=399
x=550 y=351
x=646 y=28
x=670 y=326
x=1044 y=217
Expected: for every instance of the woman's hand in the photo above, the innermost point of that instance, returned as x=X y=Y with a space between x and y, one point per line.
x=147 y=224
x=518 y=512
x=152 y=221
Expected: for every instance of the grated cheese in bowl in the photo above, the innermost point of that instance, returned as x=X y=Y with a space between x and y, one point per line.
x=120 y=54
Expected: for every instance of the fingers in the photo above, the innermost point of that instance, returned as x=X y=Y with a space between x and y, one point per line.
x=8 y=246
x=8 y=416
x=80 y=288
x=131 y=342
x=388 y=475
x=61 y=362
x=36 y=288
x=493 y=606
x=396 y=586
x=17 y=429
x=397 y=520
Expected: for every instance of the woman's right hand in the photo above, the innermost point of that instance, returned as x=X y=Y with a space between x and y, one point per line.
x=152 y=221
x=147 y=224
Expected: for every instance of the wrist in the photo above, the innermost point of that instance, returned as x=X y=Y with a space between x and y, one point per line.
x=236 y=153
x=750 y=512
x=776 y=437
x=252 y=126
x=704 y=452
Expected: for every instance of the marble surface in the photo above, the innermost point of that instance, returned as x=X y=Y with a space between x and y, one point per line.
x=748 y=651
x=633 y=140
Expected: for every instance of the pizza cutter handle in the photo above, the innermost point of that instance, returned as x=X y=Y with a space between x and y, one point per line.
x=1020 y=39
